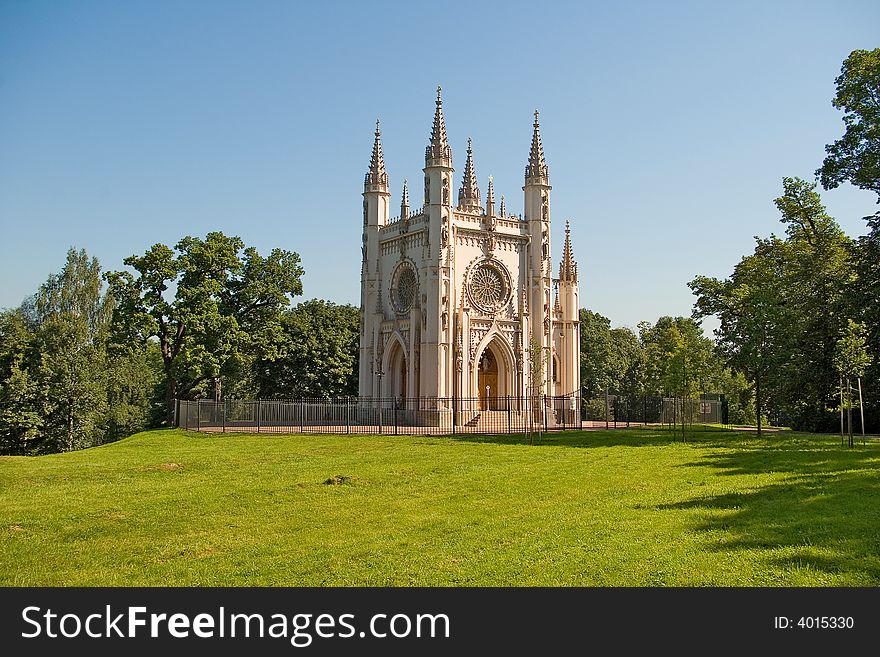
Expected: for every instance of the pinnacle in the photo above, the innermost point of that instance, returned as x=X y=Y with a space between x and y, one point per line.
x=537 y=166
x=377 y=174
x=568 y=267
x=469 y=194
x=404 y=201
x=439 y=145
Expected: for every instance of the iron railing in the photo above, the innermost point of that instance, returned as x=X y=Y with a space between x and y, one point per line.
x=425 y=415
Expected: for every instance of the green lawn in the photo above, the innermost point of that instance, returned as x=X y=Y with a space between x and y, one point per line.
x=619 y=508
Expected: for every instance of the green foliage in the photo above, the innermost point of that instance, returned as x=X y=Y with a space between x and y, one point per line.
x=855 y=157
x=598 y=508
x=679 y=359
x=60 y=388
x=20 y=395
x=318 y=354
x=537 y=361
x=226 y=309
x=782 y=310
x=611 y=359
x=851 y=357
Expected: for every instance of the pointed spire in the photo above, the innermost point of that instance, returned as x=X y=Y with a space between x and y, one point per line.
x=404 y=201
x=490 y=199
x=377 y=177
x=568 y=267
x=439 y=149
x=503 y=209
x=537 y=166
x=469 y=194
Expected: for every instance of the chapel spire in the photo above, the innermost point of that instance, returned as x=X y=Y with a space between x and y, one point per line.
x=568 y=267
x=377 y=177
x=438 y=149
x=536 y=170
x=490 y=199
x=469 y=194
x=404 y=201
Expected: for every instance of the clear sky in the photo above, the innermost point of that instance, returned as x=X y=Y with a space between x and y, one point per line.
x=667 y=126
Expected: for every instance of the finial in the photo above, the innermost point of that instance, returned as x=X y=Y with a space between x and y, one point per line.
x=490 y=199
x=503 y=209
x=404 y=201
x=536 y=117
x=469 y=194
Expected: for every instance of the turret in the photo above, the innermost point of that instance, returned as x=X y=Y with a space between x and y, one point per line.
x=376 y=212
x=537 y=214
x=376 y=192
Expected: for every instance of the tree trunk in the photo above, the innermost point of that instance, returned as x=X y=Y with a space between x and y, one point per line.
x=758 y=400
x=69 y=425
x=170 y=394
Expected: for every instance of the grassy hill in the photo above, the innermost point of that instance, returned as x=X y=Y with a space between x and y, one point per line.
x=596 y=508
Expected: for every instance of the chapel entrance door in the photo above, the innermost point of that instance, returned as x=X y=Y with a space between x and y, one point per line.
x=487 y=380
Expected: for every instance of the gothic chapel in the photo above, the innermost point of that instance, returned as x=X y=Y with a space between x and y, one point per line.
x=453 y=293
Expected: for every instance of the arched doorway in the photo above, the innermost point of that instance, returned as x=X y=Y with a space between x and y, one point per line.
x=396 y=373
x=487 y=380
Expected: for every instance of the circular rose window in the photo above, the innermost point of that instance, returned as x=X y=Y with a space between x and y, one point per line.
x=406 y=286
x=488 y=287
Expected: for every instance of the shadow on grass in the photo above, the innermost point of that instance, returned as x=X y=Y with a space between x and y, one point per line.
x=632 y=437
x=824 y=514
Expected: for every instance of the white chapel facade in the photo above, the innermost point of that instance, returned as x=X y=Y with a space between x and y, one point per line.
x=454 y=291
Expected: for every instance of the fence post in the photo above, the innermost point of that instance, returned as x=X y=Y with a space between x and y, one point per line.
x=302 y=416
x=348 y=415
x=544 y=411
x=257 y=415
x=224 y=415
x=395 y=419
x=198 y=415
x=509 y=428
x=380 y=416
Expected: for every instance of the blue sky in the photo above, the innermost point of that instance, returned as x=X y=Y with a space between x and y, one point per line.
x=667 y=127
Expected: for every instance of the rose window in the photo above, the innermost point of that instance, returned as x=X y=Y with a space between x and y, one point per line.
x=406 y=288
x=488 y=288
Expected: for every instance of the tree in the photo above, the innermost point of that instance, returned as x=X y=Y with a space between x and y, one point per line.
x=678 y=357
x=226 y=307
x=537 y=359
x=319 y=353
x=751 y=314
x=855 y=157
x=851 y=359
x=73 y=374
x=782 y=309
x=20 y=395
x=595 y=335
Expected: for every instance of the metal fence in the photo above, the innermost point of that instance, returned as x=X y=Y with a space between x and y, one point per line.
x=617 y=409
x=422 y=416
x=443 y=415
